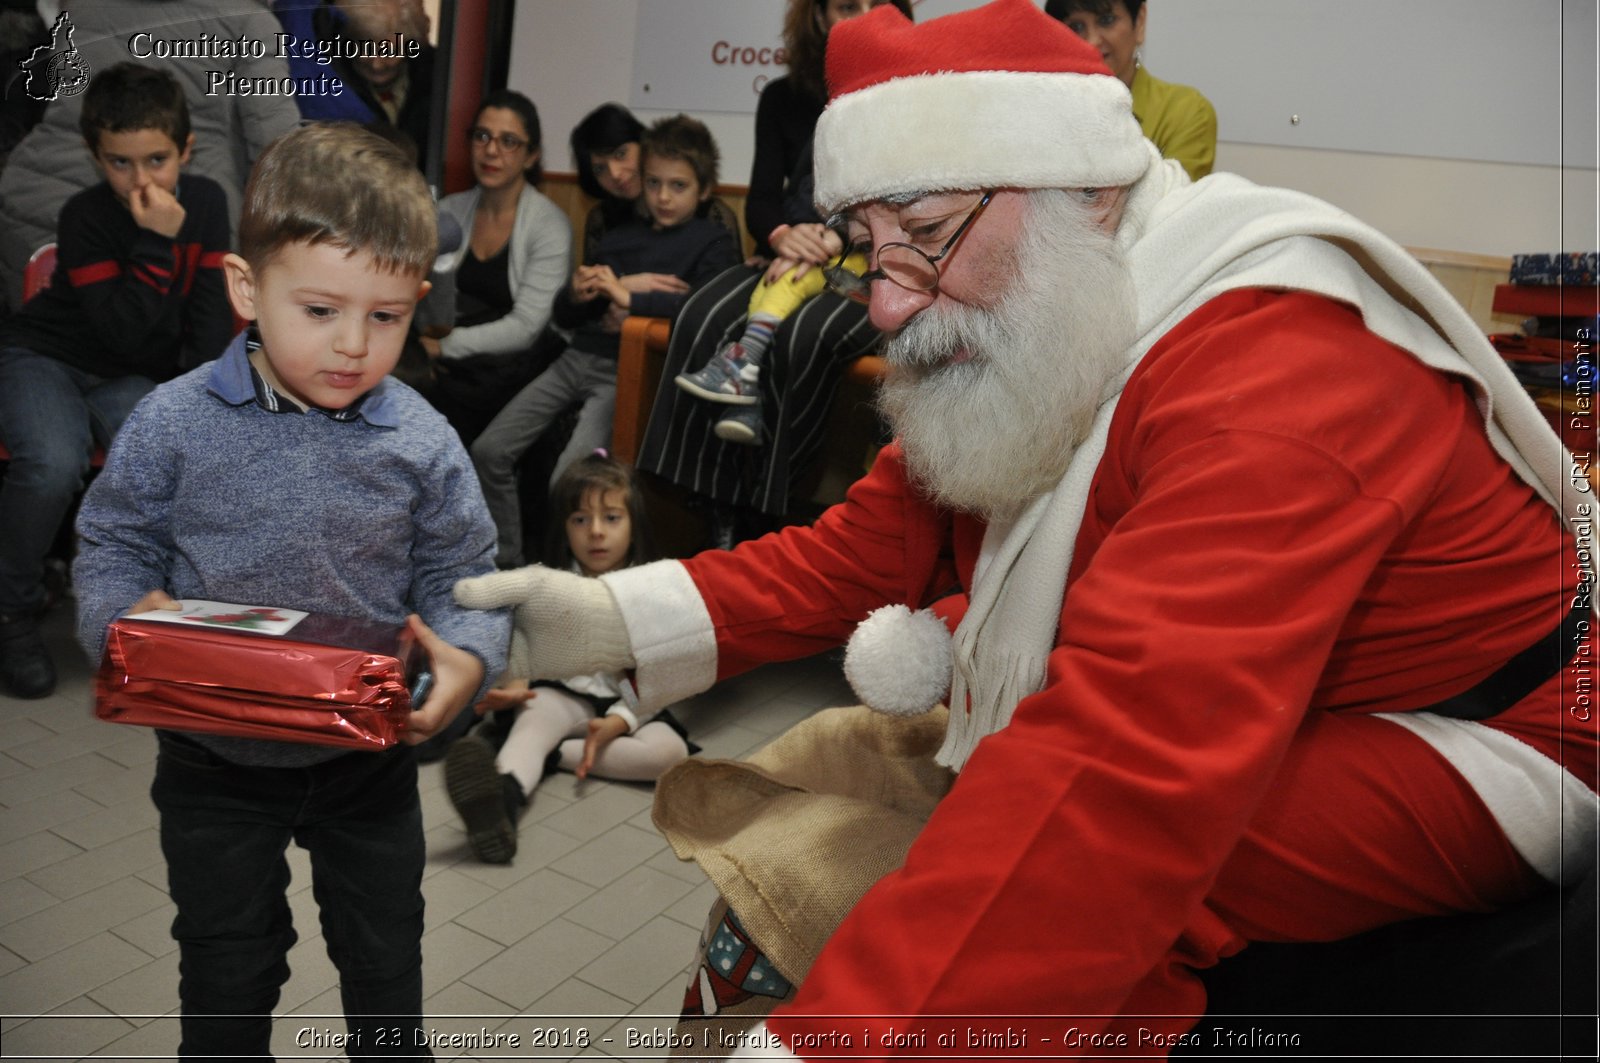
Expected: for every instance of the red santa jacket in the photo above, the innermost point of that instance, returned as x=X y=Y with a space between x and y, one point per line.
x=1291 y=516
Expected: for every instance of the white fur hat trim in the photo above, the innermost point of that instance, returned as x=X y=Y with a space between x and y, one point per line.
x=898 y=662
x=972 y=130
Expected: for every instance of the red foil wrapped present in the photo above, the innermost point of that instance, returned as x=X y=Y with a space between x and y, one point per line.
x=223 y=669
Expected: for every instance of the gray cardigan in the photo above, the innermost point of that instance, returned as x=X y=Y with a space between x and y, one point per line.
x=540 y=262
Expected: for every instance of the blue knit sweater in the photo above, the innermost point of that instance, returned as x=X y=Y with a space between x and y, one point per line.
x=205 y=494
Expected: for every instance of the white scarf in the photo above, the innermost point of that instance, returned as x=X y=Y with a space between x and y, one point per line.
x=1185 y=245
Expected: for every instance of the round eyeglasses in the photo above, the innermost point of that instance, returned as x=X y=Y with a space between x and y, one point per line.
x=508 y=142
x=905 y=264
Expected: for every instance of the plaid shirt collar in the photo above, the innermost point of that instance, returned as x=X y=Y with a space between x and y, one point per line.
x=235 y=380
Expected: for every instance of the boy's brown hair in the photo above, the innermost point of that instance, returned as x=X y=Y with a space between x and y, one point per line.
x=336 y=183
x=685 y=138
x=129 y=97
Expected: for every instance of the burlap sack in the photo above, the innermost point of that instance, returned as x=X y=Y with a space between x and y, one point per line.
x=794 y=836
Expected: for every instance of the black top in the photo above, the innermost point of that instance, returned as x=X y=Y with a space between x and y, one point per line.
x=483 y=288
x=610 y=213
x=799 y=200
x=606 y=215
x=126 y=301
x=786 y=116
x=697 y=250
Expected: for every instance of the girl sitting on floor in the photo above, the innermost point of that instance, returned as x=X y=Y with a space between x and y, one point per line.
x=584 y=724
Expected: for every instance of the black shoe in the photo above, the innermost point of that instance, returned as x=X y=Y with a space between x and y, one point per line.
x=480 y=796
x=26 y=670
x=516 y=801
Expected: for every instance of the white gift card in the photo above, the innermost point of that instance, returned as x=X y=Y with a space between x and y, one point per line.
x=264 y=620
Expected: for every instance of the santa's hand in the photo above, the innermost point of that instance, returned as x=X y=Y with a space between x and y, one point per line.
x=565 y=624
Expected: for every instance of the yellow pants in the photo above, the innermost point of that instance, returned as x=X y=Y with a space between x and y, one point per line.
x=785 y=295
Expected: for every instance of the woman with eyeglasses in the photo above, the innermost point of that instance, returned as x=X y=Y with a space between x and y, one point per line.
x=742 y=458
x=492 y=298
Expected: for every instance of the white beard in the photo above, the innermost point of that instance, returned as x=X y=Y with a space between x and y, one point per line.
x=990 y=434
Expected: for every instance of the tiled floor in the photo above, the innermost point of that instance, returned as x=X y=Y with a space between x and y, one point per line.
x=590 y=929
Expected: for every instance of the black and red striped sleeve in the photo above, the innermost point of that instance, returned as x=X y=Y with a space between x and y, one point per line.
x=138 y=291
x=207 y=316
x=124 y=289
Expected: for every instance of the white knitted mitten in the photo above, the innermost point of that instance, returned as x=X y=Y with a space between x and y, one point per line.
x=565 y=624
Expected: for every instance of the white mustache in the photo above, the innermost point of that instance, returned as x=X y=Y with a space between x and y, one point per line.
x=933 y=338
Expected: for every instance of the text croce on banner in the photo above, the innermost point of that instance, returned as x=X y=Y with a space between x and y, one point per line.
x=706 y=55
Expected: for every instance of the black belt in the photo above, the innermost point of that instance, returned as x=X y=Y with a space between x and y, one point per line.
x=1522 y=674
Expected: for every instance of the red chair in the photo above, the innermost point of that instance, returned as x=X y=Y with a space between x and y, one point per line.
x=35 y=279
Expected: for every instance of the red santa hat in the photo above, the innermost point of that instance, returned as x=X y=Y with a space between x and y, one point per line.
x=1001 y=96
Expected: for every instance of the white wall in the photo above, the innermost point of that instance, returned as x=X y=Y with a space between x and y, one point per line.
x=1466 y=125
x=1446 y=204
x=570 y=55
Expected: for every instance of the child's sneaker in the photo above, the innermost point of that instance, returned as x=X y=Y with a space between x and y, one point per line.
x=721 y=379
x=488 y=802
x=743 y=425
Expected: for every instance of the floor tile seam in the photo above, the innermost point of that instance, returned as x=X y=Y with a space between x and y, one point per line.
x=53 y=910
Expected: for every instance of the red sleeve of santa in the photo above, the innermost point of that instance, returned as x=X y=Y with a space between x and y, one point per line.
x=804 y=590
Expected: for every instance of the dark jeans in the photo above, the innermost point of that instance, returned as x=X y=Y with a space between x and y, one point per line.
x=51 y=418
x=225 y=829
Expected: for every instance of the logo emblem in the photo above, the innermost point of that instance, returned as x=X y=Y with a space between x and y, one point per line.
x=56 y=69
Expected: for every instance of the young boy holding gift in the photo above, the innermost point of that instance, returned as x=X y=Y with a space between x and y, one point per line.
x=294 y=472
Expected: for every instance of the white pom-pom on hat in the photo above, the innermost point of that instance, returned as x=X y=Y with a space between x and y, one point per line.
x=899 y=662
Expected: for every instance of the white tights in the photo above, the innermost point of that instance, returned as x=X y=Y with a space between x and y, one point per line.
x=554 y=718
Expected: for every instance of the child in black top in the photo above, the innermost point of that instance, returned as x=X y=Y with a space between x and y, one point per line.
x=136 y=296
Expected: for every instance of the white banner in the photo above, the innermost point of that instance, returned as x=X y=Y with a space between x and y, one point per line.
x=706 y=55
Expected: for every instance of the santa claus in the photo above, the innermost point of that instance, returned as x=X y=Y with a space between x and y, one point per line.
x=1262 y=573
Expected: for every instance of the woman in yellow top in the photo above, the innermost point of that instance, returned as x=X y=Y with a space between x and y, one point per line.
x=1180 y=121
